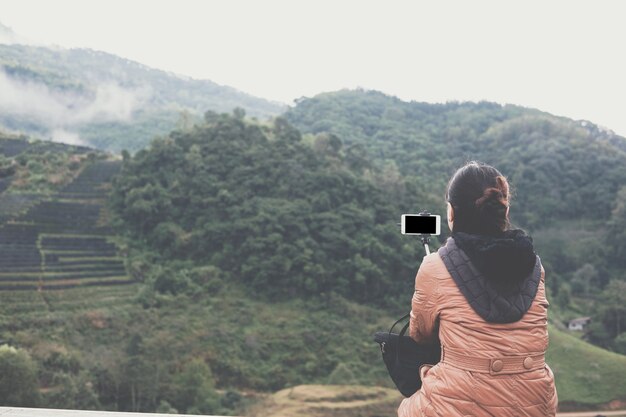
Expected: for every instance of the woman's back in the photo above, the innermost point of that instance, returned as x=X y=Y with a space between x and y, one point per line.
x=482 y=296
x=469 y=381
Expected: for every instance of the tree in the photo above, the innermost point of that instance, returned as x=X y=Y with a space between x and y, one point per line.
x=610 y=318
x=239 y=113
x=620 y=343
x=139 y=384
x=341 y=375
x=327 y=144
x=617 y=229
x=357 y=158
x=195 y=389
x=615 y=306
x=18 y=378
x=564 y=296
x=286 y=217
x=185 y=120
x=166 y=408
x=585 y=280
x=72 y=392
x=285 y=131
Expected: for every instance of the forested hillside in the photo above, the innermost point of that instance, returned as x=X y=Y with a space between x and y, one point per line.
x=98 y=99
x=561 y=169
x=296 y=236
x=264 y=255
x=285 y=218
x=568 y=179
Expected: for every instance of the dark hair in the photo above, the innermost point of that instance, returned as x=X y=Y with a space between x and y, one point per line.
x=479 y=195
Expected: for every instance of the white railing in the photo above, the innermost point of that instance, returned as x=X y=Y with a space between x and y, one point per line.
x=47 y=412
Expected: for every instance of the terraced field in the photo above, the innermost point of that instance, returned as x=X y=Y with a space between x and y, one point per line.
x=62 y=242
x=13 y=204
x=12 y=147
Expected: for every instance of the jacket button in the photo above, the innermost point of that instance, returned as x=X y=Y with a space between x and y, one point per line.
x=528 y=362
x=497 y=365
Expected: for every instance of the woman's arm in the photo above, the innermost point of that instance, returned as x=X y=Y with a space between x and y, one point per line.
x=424 y=306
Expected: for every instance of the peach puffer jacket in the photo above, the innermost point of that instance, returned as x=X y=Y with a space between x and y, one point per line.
x=483 y=368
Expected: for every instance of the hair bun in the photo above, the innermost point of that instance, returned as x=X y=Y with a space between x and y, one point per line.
x=492 y=198
x=479 y=195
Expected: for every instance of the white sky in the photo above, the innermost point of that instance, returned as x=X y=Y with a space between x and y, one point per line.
x=559 y=56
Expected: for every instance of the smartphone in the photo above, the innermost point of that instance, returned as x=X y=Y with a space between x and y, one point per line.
x=416 y=224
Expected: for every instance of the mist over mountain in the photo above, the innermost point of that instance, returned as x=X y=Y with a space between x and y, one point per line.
x=95 y=98
x=8 y=36
x=57 y=113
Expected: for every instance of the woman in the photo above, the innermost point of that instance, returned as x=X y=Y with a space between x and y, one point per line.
x=483 y=296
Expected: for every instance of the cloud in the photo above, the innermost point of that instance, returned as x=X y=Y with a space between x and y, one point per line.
x=63 y=136
x=8 y=37
x=64 y=111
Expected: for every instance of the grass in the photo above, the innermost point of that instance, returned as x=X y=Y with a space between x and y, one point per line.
x=329 y=400
x=585 y=374
x=94 y=259
x=291 y=343
x=70 y=299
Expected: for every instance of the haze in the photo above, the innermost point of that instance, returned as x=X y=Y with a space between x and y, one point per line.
x=564 y=57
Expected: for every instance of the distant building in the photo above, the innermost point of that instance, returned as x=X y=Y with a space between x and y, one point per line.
x=579 y=324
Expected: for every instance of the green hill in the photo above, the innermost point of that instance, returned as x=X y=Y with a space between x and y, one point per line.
x=260 y=258
x=234 y=196
x=574 y=168
x=102 y=100
x=587 y=377
x=585 y=374
x=256 y=202
x=566 y=177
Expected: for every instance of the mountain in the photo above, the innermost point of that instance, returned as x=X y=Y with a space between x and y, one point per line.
x=87 y=97
x=300 y=230
x=574 y=166
x=8 y=36
x=257 y=259
x=260 y=259
x=567 y=179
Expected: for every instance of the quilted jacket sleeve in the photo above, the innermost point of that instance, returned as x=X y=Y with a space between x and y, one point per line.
x=424 y=306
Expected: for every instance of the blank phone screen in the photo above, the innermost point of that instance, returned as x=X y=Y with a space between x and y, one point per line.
x=420 y=224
